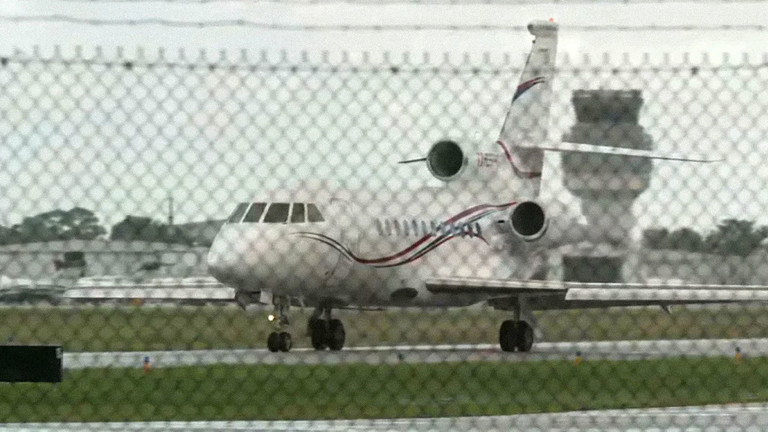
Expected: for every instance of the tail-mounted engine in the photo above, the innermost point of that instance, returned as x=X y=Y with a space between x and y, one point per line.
x=446 y=160
x=527 y=221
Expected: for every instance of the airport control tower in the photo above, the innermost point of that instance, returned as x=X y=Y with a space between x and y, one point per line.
x=606 y=185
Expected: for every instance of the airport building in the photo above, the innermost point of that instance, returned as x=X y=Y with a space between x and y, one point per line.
x=82 y=258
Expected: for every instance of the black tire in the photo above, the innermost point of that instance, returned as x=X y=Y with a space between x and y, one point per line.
x=285 y=341
x=525 y=337
x=318 y=333
x=507 y=336
x=336 y=335
x=273 y=342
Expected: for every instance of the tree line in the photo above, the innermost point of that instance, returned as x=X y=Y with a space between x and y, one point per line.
x=82 y=224
x=730 y=237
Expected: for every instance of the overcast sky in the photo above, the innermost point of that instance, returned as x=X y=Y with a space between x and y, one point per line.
x=237 y=166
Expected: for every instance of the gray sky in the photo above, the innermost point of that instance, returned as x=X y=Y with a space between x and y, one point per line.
x=133 y=177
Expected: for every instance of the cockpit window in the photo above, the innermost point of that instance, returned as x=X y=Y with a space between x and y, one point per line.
x=254 y=213
x=237 y=214
x=313 y=214
x=277 y=213
x=297 y=215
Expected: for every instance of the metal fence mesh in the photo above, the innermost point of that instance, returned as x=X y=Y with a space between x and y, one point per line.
x=118 y=177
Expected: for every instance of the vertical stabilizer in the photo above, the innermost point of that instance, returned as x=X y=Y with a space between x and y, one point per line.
x=527 y=121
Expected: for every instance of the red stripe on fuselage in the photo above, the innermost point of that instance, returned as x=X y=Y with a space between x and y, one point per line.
x=421 y=241
x=436 y=240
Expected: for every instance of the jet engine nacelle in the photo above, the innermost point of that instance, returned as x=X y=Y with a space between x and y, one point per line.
x=446 y=160
x=528 y=221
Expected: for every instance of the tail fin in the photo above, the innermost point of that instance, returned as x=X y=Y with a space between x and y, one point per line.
x=527 y=120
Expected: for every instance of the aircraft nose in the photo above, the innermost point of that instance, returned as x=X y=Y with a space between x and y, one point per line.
x=224 y=256
x=214 y=262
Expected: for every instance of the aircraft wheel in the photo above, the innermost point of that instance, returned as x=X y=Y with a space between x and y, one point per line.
x=273 y=342
x=524 y=337
x=508 y=336
x=285 y=341
x=318 y=333
x=336 y=335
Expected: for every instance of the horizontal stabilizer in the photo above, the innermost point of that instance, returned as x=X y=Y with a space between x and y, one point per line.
x=572 y=147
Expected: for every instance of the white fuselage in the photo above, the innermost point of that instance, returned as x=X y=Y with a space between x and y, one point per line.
x=370 y=253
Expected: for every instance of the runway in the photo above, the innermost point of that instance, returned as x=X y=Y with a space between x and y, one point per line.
x=600 y=350
x=677 y=419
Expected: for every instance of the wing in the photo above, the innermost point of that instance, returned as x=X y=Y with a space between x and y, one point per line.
x=559 y=294
x=205 y=289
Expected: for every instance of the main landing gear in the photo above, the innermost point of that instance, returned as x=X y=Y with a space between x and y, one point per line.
x=516 y=335
x=326 y=332
x=280 y=340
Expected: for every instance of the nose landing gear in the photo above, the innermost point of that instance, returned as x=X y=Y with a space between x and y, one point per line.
x=280 y=340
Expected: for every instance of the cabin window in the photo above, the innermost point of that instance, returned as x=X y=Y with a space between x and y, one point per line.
x=254 y=213
x=297 y=216
x=313 y=214
x=277 y=213
x=238 y=213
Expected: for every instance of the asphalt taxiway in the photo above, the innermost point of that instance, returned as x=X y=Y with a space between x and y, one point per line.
x=599 y=350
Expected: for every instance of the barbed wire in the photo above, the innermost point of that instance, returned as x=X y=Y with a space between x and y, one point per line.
x=162 y=22
x=266 y=65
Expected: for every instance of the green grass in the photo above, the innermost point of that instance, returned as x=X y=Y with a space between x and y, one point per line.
x=158 y=328
x=382 y=391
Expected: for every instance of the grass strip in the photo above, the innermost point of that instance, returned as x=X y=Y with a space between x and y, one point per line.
x=363 y=391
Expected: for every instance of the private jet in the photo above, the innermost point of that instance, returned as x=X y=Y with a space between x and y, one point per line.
x=480 y=236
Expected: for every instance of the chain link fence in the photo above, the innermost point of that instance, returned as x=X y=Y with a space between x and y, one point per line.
x=176 y=223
